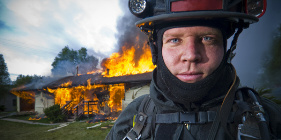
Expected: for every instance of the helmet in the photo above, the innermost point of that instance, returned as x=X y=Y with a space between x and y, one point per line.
x=156 y=12
x=229 y=14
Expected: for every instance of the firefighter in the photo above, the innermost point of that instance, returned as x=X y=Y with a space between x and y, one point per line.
x=194 y=92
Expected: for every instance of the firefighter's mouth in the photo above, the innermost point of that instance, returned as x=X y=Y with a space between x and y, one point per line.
x=190 y=77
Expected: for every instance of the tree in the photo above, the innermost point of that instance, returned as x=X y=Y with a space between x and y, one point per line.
x=82 y=54
x=66 y=62
x=5 y=80
x=23 y=80
x=272 y=65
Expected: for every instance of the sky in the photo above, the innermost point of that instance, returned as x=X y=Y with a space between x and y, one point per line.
x=33 y=32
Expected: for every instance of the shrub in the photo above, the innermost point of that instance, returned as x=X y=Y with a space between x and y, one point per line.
x=54 y=113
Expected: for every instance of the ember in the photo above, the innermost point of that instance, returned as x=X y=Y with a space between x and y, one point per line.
x=37 y=117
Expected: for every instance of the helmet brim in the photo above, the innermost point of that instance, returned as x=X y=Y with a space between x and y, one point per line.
x=207 y=15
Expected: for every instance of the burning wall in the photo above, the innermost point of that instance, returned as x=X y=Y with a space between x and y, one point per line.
x=103 y=95
x=27 y=99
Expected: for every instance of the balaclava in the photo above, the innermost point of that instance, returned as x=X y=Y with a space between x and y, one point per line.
x=214 y=85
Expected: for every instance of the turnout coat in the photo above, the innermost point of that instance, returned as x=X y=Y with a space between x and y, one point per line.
x=196 y=131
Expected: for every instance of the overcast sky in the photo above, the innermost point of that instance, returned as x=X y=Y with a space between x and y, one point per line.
x=33 y=32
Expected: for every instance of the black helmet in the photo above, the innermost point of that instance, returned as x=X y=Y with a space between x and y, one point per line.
x=228 y=15
x=155 y=12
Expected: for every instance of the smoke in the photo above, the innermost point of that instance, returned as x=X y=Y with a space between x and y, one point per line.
x=254 y=44
x=36 y=83
x=128 y=35
x=67 y=68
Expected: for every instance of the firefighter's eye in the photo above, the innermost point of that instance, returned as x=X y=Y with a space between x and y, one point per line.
x=207 y=38
x=174 y=40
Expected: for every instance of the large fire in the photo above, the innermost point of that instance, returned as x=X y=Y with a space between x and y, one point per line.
x=88 y=93
x=117 y=65
x=125 y=64
x=99 y=98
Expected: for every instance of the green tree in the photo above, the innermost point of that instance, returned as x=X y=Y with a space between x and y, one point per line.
x=82 y=54
x=272 y=65
x=5 y=80
x=67 y=60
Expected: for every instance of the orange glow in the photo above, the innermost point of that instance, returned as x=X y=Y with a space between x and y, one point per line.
x=34 y=119
x=27 y=95
x=116 y=96
x=89 y=94
x=98 y=98
x=125 y=64
x=95 y=71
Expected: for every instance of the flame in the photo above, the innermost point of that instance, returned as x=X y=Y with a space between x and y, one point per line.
x=118 y=64
x=89 y=93
x=26 y=95
x=125 y=64
x=34 y=119
x=95 y=71
x=116 y=96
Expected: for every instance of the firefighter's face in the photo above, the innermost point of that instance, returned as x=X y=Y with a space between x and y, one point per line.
x=192 y=53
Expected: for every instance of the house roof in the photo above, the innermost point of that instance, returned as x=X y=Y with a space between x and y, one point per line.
x=99 y=79
x=75 y=81
x=144 y=77
x=35 y=85
x=83 y=81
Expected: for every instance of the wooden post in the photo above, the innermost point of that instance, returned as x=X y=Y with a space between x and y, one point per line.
x=76 y=114
x=88 y=110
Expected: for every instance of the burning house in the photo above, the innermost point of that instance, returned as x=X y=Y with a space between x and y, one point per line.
x=106 y=92
x=95 y=94
x=87 y=94
x=124 y=76
x=32 y=97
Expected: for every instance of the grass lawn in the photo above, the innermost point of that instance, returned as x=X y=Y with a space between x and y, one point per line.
x=74 y=131
x=26 y=117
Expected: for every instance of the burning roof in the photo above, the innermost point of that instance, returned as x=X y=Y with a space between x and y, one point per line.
x=35 y=85
x=143 y=77
x=82 y=80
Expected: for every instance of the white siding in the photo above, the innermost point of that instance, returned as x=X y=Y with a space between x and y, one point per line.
x=133 y=93
x=42 y=101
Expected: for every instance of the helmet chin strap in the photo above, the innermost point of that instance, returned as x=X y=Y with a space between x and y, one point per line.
x=153 y=51
x=230 y=53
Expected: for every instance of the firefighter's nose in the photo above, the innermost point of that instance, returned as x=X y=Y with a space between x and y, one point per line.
x=191 y=51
